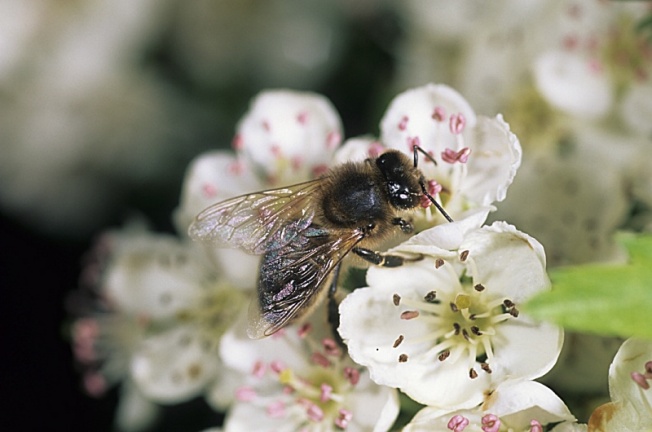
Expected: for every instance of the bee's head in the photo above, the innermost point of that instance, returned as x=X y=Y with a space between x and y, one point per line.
x=402 y=179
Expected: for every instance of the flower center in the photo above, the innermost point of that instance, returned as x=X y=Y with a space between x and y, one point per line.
x=312 y=398
x=464 y=324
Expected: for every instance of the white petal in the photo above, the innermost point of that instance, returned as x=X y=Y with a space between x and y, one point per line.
x=573 y=84
x=356 y=150
x=134 y=412
x=374 y=407
x=175 y=365
x=496 y=156
x=631 y=358
x=288 y=134
x=441 y=239
x=210 y=178
x=518 y=402
x=507 y=261
x=155 y=276
x=249 y=417
x=417 y=106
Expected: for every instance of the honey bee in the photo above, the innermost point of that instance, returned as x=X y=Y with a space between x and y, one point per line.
x=304 y=231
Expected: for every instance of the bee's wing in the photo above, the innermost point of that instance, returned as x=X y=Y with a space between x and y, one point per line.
x=295 y=277
x=259 y=221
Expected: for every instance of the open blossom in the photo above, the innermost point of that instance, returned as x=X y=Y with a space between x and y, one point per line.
x=297 y=380
x=476 y=157
x=516 y=406
x=286 y=137
x=630 y=382
x=447 y=329
x=158 y=313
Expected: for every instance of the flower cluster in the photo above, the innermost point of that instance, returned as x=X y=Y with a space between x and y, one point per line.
x=445 y=327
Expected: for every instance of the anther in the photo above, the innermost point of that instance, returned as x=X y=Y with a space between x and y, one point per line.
x=444 y=355
x=465 y=334
x=476 y=330
x=479 y=287
x=457 y=423
x=508 y=303
x=485 y=367
x=439 y=262
x=473 y=374
x=514 y=312
x=352 y=375
x=640 y=380
x=431 y=297
x=535 y=426
x=398 y=341
x=396 y=299
x=464 y=255
x=402 y=358
x=648 y=367
x=454 y=307
x=490 y=423
x=457 y=328
x=408 y=315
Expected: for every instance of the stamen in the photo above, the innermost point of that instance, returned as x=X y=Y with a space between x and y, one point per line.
x=343 y=418
x=457 y=122
x=402 y=125
x=640 y=380
x=408 y=315
x=457 y=328
x=439 y=262
x=648 y=367
x=514 y=312
x=508 y=303
x=315 y=413
x=476 y=330
x=454 y=307
x=413 y=142
x=439 y=114
x=402 y=358
x=326 y=392
x=473 y=374
x=490 y=423
x=398 y=341
x=352 y=375
x=304 y=330
x=485 y=367
x=259 y=369
x=444 y=355
x=479 y=287
x=451 y=156
x=535 y=426
x=396 y=299
x=277 y=366
x=276 y=409
x=431 y=297
x=320 y=359
x=457 y=423
x=331 y=347
x=464 y=255
x=245 y=394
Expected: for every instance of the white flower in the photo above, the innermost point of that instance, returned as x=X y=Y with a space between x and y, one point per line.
x=512 y=406
x=164 y=311
x=289 y=136
x=574 y=84
x=630 y=379
x=477 y=157
x=446 y=329
x=296 y=380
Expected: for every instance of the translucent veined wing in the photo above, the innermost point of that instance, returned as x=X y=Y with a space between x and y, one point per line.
x=295 y=277
x=259 y=221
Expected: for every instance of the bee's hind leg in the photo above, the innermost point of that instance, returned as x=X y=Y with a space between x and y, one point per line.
x=382 y=259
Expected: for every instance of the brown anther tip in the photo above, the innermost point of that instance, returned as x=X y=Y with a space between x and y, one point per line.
x=514 y=312
x=402 y=358
x=476 y=330
x=485 y=367
x=473 y=374
x=454 y=307
x=396 y=299
x=444 y=355
x=464 y=255
x=508 y=303
x=479 y=287
x=439 y=262
x=430 y=297
x=398 y=341
x=408 y=315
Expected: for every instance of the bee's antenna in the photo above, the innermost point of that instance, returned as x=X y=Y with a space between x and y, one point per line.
x=418 y=149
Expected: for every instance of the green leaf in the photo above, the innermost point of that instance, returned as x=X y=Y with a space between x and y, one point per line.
x=613 y=300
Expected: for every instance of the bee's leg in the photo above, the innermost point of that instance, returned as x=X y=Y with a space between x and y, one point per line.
x=405 y=226
x=384 y=260
x=333 y=308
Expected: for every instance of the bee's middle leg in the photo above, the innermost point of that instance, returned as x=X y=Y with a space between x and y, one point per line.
x=382 y=259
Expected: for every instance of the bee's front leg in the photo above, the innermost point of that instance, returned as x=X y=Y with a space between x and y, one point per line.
x=382 y=259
